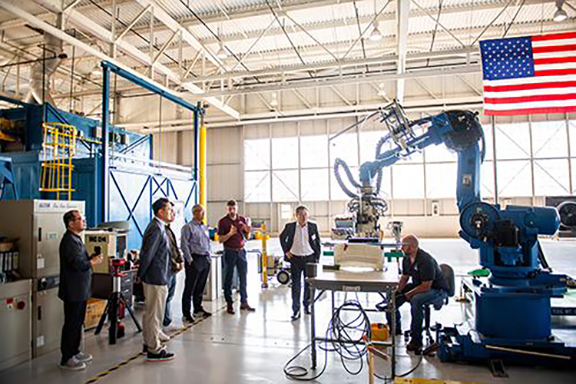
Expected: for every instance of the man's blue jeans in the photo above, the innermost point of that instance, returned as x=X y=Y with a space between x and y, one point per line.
x=171 y=290
x=235 y=259
x=417 y=304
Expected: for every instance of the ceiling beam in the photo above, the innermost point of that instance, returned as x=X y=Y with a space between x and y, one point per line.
x=352 y=79
x=338 y=112
x=459 y=53
x=139 y=55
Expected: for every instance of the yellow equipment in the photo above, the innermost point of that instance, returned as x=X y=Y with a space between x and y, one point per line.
x=262 y=235
x=59 y=147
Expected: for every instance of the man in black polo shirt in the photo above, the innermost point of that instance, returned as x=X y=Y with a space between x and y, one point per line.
x=427 y=287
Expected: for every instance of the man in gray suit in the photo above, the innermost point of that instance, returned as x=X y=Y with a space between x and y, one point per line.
x=155 y=273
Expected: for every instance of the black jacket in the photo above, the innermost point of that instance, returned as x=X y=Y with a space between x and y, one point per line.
x=75 y=269
x=287 y=238
x=155 y=255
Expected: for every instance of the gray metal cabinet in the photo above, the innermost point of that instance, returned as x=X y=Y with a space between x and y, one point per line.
x=15 y=314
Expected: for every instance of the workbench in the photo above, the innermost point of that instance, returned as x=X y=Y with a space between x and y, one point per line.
x=382 y=282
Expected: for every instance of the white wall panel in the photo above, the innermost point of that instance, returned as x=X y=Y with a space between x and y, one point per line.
x=224 y=145
x=224 y=182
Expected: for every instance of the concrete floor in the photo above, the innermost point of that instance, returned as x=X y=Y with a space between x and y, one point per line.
x=254 y=347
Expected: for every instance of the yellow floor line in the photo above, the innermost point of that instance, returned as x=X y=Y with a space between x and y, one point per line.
x=103 y=374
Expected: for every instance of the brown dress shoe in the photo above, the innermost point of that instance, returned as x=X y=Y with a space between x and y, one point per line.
x=246 y=307
x=230 y=309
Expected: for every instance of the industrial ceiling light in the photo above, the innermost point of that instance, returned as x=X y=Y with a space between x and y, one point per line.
x=96 y=71
x=274 y=101
x=560 y=14
x=222 y=53
x=376 y=35
x=381 y=91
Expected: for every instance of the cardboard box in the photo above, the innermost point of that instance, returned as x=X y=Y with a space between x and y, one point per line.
x=94 y=310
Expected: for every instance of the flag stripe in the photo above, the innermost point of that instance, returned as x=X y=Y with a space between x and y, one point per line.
x=530 y=111
x=571 y=47
x=531 y=80
x=555 y=72
x=543 y=91
x=521 y=87
x=531 y=104
x=546 y=55
x=555 y=36
x=555 y=60
x=542 y=67
x=552 y=43
x=524 y=99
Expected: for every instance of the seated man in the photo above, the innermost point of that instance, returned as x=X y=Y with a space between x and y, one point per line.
x=428 y=287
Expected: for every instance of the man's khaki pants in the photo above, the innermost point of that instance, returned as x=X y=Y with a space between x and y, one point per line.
x=155 y=305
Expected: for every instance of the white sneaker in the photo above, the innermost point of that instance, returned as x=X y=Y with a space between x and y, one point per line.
x=83 y=357
x=73 y=365
x=164 y=338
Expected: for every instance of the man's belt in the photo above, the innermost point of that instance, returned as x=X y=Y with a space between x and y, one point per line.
x=233 y=249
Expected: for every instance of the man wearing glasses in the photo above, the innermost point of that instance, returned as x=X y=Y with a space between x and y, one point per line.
x=75 y=289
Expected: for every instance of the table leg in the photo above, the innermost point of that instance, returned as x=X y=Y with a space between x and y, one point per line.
x=392 y=307
x=333 y=300
x=313 y=325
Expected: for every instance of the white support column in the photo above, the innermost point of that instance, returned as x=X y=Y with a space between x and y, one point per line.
x=402 y=20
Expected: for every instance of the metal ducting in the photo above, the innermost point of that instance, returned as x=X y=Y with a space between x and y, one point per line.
x=41 y=71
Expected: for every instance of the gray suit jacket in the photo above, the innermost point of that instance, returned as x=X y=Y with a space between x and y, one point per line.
x=155 y=255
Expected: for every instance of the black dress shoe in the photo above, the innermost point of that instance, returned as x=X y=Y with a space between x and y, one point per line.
x=414 y=346
x=307 y=310
x=202 y=312
x=296 y=316
x=246 y=307
x=161 y=356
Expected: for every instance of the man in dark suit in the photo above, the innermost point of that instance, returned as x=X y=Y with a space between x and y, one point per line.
x=300 y=242
x=155 y=272
x=74 y=290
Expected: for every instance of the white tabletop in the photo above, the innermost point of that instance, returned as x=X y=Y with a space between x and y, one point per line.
x=344 y=280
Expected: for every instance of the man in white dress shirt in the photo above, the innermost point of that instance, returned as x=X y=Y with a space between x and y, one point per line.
x=300 y=242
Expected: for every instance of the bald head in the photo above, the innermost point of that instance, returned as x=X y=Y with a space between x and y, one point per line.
x=410 y=245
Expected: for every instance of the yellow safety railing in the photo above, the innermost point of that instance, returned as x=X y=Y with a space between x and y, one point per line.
x=59 y=147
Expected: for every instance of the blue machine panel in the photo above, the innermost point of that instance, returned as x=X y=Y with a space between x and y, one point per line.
x=133 y=187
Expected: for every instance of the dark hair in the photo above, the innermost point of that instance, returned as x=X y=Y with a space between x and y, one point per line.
x=160 y=204
x=301 y=208
x=231 y=203
x=69 y=217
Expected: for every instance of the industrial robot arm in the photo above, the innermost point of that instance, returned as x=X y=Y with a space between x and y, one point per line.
x=507 y=239
x=459 y=130
x=512 y=308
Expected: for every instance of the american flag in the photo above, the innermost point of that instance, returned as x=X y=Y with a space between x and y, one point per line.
x=527 y=75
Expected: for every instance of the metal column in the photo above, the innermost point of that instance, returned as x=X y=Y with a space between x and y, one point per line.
x=202 y=164
x=105 y=169
x=197 y=172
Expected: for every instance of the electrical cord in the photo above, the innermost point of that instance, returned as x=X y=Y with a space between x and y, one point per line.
x=347 y=339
